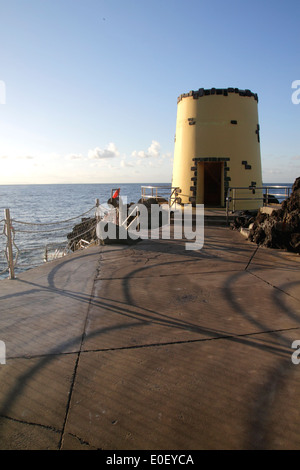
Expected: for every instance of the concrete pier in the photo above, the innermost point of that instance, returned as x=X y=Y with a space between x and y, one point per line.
x=151 y=346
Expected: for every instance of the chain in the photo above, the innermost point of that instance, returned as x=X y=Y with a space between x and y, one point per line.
x=53 y=223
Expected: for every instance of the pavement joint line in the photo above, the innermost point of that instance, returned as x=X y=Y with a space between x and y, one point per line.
x=82 y=441
x=69 y=400
x=77 y=359
x=28 y=423
x=199 y=340
x=167 y=275
x=150 y=345
x=275 y=287
x=251 y=257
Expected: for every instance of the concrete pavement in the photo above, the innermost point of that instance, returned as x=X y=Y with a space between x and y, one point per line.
x=152 y=346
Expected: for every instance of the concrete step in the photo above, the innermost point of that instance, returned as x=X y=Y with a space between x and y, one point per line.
x=217 y=220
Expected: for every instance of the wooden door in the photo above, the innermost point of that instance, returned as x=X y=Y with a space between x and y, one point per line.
x=212 y=183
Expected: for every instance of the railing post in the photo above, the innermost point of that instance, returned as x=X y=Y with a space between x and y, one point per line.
x=97 y=204
x=267 y=196
x=227 y=207
x=97 y=211
x=233 y=200
x=9 y=244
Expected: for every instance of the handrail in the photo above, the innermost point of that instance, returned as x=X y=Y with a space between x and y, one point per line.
x=265 y=189
x=13 y=227
x=172 y=196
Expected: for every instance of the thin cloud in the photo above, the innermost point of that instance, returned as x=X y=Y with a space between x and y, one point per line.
x=110 y=151
x=152 y=152
x=74 y=156
x=25 y=157
x=126 y=164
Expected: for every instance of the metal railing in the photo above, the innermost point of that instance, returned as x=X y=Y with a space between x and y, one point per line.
x=32 y=238
x=266 y=197
x=160 y=193
x=287 y=192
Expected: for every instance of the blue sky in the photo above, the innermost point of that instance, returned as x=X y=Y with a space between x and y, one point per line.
x=88 y=88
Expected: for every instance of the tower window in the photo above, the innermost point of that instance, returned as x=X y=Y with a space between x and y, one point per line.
x=257 y=133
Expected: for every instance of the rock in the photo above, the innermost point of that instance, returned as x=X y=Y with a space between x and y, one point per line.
x=108 y=232
x=295 y=242
x=84 y=230
x=281 y=228
x=296 y=185
x=148 y=202
x=271 y=199
x=113 y=202
x=243 y=220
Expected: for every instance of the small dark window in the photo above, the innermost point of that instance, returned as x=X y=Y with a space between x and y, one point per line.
x=233 y=122
x=257 y=133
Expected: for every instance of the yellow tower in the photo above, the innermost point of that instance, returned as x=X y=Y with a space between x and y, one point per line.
x=217 y=147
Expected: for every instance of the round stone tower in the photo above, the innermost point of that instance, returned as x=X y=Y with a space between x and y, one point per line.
x=217 y=147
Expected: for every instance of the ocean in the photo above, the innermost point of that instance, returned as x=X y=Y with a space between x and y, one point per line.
x=51 y=206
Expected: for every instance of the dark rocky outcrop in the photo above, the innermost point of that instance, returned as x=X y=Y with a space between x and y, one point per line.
x=243 y=220
x=270 y=199
x=84 y=230
x=153 y=200
x=113 y=202
x=281 y=228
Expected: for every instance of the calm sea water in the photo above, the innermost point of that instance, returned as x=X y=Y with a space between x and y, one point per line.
x=42 y=204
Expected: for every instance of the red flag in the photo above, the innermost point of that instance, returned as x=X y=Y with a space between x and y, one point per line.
x=116 y=194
